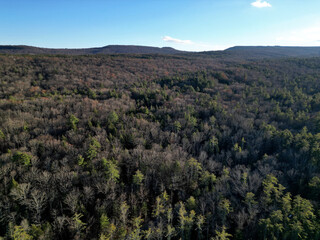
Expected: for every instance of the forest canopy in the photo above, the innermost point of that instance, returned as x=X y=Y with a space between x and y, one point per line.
x=159 y=147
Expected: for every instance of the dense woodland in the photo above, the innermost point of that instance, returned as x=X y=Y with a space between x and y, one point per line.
x=159 y=147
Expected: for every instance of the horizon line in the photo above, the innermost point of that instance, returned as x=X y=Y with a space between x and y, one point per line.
x=148 y=46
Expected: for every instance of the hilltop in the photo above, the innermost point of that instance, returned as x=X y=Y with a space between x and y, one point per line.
x=243 y=52
x=110 y=49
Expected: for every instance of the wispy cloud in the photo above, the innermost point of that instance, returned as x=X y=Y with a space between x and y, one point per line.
x=304 y=36
x=260 y=4
x=189 y=45
x=175 y=40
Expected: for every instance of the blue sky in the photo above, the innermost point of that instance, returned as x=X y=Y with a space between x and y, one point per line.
x=193 y=25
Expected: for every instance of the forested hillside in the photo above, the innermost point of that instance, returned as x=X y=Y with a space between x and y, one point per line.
x=159 y=147
x=237 y=52
x=273 y=51
x=110 y=49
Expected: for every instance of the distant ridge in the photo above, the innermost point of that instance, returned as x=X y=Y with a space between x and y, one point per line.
x=110 y=49
x=243 y=52
x=273 y=51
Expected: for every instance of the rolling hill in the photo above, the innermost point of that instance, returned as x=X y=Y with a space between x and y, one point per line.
x=273 y=51
x=110 y=49
x=237 y=52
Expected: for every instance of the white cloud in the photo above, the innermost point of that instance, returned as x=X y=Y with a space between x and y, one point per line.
x=260 y=4
x=175 y=40
x=188 y=45
x=303 y=37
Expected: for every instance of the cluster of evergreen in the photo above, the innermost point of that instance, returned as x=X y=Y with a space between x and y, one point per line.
x=159 y=147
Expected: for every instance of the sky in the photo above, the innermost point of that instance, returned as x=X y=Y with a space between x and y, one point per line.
x=192 y=25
